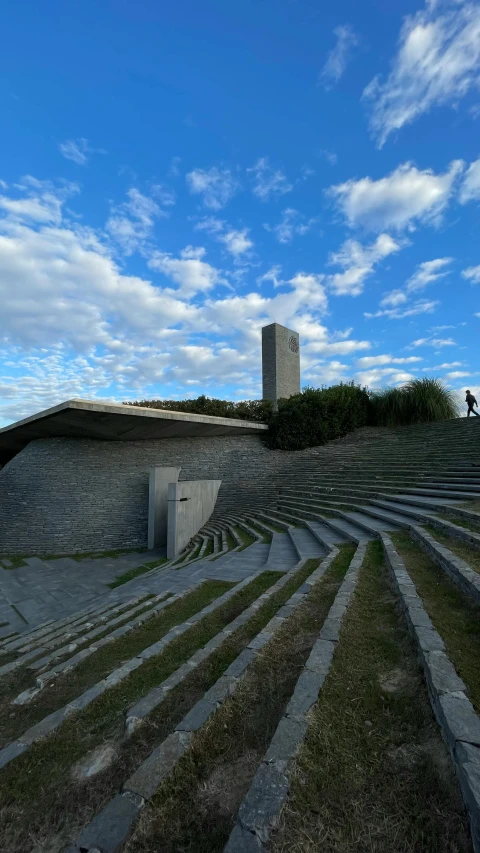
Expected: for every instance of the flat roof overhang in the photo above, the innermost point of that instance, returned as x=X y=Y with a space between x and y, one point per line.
x=114 y=422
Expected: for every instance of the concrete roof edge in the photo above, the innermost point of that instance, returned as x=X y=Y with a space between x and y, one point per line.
x=138 y=411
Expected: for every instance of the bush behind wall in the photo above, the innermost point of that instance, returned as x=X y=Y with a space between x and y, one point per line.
x=318 y=415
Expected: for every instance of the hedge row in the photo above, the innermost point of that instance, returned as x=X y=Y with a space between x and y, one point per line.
x=318 y=415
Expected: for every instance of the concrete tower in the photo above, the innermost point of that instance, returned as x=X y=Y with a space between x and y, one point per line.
x=280 y=362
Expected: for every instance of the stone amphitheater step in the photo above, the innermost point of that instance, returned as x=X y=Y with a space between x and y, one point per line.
x=349 y=528
x=327 y=535
x=422 y=500
x=465 y=482
x=402 y=509
x=282 y=553
x=366 y=522
x=109 y=830
x=306 y=544
x=458 y=486
x=445 y=492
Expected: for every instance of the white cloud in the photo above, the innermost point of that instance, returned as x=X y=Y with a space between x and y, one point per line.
x=393 y=299
x=73 y=324
x=130 y=224
x=338 y=347
x=164 y=195
x=472 y=274
x=190 y=272
x=422 y=306
x=475 y=111
x=77 y=150
x=339 y=57
x=377 y=360
x=325 y=372
x=268 y=181
x=41 y=201
x=358 y=263
x=216 y=186
x=456 y=374
x=402 y=199
x=427 y=272
x=330 y=156
x=437 y=63
x=291 y=224
x=445 y=366
x=317 y=340
x=236 y=241
x=433 y=342
x=273 y=275
x=381 y=376
x=309 y=288
x=470 y=189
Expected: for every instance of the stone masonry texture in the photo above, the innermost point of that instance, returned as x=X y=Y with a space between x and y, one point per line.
x=280 y=362
x=62 y=495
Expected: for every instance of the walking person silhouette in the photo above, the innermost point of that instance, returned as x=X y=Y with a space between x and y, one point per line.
x=471 y=402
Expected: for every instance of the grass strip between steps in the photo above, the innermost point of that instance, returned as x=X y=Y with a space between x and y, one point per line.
x=209 y=548
x=454 y=614
x=473 y=505
x=101 y=663
x=135 y=573
x=463 y=550
x=460 y=521
x=212 y=778
x=373 y=774
x=20 y=560
x=246 y=538
x=39 y=799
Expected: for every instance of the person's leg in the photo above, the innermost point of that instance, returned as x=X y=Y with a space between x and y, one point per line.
x=469 y=410
x=472 y=410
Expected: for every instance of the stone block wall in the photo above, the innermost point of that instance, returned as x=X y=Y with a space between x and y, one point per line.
x=62 y=495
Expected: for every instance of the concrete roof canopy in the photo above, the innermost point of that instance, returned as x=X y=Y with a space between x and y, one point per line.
x=115 y=422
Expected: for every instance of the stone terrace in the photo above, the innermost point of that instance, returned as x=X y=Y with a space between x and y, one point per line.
x=168 y=658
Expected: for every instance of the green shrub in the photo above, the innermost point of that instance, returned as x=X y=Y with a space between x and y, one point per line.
x=318 y=415
x=419 y=401
x=248 y=410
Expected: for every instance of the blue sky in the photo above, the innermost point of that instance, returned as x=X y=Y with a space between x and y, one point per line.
x=174 y=176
